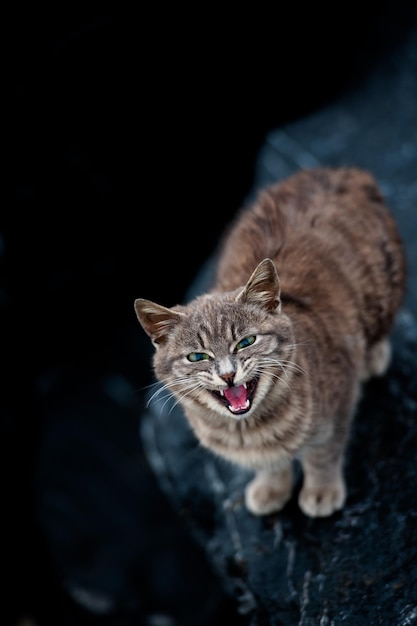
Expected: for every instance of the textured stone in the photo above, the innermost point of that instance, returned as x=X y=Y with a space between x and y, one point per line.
x=358 y=566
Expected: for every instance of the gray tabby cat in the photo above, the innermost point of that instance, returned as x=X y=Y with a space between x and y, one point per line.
x=268 y=365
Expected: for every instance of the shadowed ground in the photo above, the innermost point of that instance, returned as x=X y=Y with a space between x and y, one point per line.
x=136 y=143
x=359 y=566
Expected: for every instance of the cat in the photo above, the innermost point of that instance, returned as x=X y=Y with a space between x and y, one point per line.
x=268 y=364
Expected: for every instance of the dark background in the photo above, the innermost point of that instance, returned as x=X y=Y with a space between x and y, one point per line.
x=135 y=137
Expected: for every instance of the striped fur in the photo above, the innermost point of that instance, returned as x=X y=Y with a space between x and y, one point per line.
x=268 y=365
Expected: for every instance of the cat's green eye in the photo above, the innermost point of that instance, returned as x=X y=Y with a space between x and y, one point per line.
x=244 y=343
x=194 y=357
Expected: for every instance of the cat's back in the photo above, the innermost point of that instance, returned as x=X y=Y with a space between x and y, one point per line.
x=332 y=239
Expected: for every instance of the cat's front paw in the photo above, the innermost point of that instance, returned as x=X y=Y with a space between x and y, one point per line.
x=268 y=493
x=322 y=501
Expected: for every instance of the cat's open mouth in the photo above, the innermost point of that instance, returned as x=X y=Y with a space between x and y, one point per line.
x=238 y=398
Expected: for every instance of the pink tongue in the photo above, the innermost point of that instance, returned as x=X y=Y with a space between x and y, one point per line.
x=236 y=397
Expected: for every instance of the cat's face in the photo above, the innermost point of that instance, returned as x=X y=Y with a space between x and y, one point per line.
x=222 y=352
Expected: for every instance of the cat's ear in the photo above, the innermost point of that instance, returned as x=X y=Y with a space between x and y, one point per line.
x=156 y=320
x=263 y=287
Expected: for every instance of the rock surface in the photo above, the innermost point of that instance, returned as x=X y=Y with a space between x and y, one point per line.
x=358 y=567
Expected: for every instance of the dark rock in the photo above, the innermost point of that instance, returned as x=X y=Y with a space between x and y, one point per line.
x=358 y=567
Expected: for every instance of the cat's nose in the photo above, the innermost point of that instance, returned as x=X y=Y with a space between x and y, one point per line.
x=229 y=378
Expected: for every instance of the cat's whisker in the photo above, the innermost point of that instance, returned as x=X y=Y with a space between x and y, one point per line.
x=155 y=397
x=266 y=371
x=168 y=389
x=274 y=362
x=294 y=367
x=300 y=343
x=272 y=375
x=155 y=384
x=165 y=387
x=169 y=398
x=284 y=364
x=189 y=391
x=144 y=388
